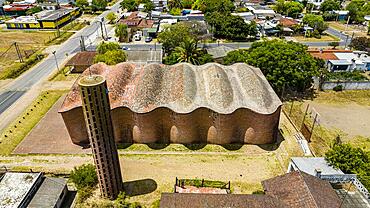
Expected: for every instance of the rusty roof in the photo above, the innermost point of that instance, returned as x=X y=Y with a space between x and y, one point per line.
x=327 y=54
x=299 y=189
x=182 y=88
x=287 y=22
x=84 y=58
x=180 y=200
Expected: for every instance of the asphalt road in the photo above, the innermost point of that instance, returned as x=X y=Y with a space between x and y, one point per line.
x=12 y=92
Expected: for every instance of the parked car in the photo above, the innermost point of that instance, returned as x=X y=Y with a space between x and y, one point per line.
x=125 y=48
x=2 y=21
x=137 y=37
x=148 y=39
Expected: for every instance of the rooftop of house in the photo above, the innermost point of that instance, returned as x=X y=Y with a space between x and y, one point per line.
x=51 y=15
x=84 y=58
x=48 y=193
x=14 y=187
x=183 y=88
x=327 y=54
x=288 y=22
x=310 y=164
x=191 y=200
x=299 y=189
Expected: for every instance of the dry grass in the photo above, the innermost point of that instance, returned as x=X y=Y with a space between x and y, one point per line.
x=349 y=29
x=324 y=38
x=361 y=97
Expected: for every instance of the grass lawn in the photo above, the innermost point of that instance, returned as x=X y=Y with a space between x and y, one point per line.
x=20 y=127
x=361 y=97
x=324 y=38
x=64 y=75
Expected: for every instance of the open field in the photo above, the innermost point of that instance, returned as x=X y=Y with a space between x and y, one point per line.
x=358 y=31
x=324 y=38
x=345 y=114
x=19 y=128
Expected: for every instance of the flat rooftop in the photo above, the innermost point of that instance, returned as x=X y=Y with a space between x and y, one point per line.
x=14 y=187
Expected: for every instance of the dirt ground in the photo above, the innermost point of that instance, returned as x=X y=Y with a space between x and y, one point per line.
x=352 y=118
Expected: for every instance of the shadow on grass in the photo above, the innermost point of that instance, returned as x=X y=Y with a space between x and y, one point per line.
x=157 y=146
x=139 y=187
x=124 y=145
x=195 y=146
x=273 y=146
x=232 y=147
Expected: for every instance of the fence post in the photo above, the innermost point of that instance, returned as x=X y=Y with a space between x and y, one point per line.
x=304 y=117
x=291 y=108
x=313 y=126
x=202 y=182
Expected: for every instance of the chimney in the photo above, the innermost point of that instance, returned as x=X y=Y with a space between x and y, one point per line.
x=318 y=172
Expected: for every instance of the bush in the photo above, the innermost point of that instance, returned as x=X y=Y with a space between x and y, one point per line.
x=316 y=34
x=84 y=176
x=345 y=76
x=338 y=88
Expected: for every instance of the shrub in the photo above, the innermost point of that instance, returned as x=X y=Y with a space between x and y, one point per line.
x=338 y=88
x=84 y=176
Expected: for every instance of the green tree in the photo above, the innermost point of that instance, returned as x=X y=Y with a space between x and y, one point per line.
x=206 y=6
x=293 y=8
x=173 y=35
x=121 y=31
x=99 y=5
x=315 y=21
x=333 y=44
x=111 y=17
x=149 y=6
x=82 y=3
x=187 y=4
x=111 y=57
x=231 y=27
x=175 y=11
x=283 y=63
x=104 y=47
x=236 y=56
x=280 y=7
x=84 y=176
x=360 y=43
x=329 y=5
x=174 y=4
x=357 y=9
x=188 y=51
x=130 y=5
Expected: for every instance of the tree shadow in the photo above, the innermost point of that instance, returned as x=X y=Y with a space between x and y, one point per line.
x=232 y=147
x=157 y=146
x=273 y=146
x=139 y=187
x=123 y=145
x=195 y=146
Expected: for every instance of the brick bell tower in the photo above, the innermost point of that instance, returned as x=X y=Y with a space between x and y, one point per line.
x=96 y=108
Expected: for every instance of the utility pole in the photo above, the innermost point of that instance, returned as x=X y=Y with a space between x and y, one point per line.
x=82 y=43
x=56 y=61
x=18 y=52
x=105 y=28
x=101 y=28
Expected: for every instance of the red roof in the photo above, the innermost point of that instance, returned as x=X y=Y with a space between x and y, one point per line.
x=286 y=22
x=327 y=54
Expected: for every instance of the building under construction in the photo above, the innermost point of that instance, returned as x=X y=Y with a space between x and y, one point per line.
x=96 y=110
x=182 y=103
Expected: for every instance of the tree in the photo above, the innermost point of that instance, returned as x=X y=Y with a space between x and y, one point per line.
x=329 y=5
x=175 y=11
x=360 y=43
x=121 y=31
x=316 y=22
x=149 y=6
x=188 y=51
x=84 y=176
x=357 y=9
x=130 y=5
x=104 y=47
x=283 y=63
x=231 y=27
x=82 y=3
x=111 y=57
x=333 y=44
x=174 y=4
x=293 y=8
x=111 y=17
x=206 y=6
x=99 y=5
x=173 y=35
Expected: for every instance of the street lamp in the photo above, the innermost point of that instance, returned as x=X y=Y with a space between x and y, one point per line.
x=56 y=61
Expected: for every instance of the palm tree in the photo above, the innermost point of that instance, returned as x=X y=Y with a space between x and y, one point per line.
x=188 y=51
x=121 y=32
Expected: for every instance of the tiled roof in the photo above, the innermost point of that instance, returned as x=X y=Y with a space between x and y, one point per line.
x=299 y=189
x=177 y=200
x=85 y=58
x=327 y=54
x=183 y=88
x=286 y=22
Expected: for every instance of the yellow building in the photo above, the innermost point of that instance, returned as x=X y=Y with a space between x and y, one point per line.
x=48 y=19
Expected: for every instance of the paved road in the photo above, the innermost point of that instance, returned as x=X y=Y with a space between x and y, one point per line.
x=13 y=91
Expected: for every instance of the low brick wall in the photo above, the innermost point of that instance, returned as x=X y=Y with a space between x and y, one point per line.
x=347 y=85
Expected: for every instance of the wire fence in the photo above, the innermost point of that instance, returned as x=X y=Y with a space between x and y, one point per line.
x=202 y=183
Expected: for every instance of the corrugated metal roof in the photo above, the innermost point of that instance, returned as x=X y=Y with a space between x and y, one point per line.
x=309 y=164
x=183 y=88
x=48 y=193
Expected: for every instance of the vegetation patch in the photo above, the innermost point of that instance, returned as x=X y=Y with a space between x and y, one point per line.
x=346 y=76
x=17 y=69
x=20 y=127
x=64 y=75
x=361 y=97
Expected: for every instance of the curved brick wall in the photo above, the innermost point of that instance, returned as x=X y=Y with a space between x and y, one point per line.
x=165 y=126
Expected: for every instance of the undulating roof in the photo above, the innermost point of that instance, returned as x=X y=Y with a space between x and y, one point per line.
x=183 y=88
x=196 y=200
x=299 y=189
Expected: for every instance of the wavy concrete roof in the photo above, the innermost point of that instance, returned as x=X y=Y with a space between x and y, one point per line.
x=183 y=88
